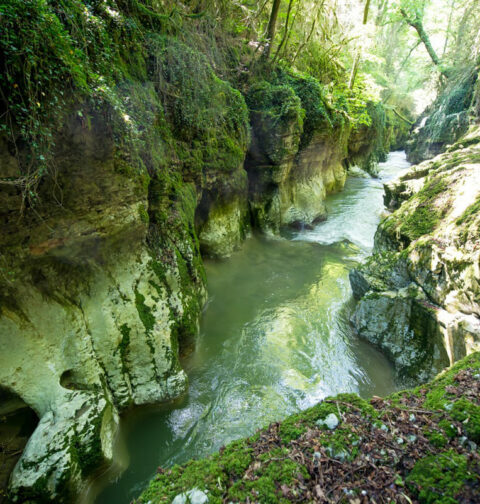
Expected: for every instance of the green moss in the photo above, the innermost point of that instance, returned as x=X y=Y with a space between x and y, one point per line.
x=436 y=438
x=143 y=214
x=469 y=414
x=209 y=118
x=439 y=478
x=437 y=395
x=202 y=474
x=469 y=214
x=276 y=107
x=123 y=345
x=236 y=458
x=89 y=455
x=270 y=475
x=144 y=312
x=426 y=215
x=449 y=428
x=296 y=425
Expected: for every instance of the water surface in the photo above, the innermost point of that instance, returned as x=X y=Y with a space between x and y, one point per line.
x=274 y=339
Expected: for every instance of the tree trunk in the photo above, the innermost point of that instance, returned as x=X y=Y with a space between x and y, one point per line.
x=418 y=25
x=365 y=12
x=285 y=32
x=449 y=26
x=353 y=75
x=272 y=26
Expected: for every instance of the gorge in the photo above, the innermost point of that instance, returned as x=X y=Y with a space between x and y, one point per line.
x=183 y=213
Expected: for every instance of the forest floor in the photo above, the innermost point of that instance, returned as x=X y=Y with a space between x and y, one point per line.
x=413 y=446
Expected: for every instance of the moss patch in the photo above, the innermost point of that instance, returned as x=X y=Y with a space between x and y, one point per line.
x=442 y=478
x=379 y=450
x=144 y=312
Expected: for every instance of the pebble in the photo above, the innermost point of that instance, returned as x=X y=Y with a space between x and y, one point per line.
x=399 y=440
x=412 y=417
x=331 y=422
x=193 y=496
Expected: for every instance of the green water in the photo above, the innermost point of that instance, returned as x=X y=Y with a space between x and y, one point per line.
x=275 y=338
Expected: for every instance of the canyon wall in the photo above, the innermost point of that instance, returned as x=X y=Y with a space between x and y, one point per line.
x=419 y=293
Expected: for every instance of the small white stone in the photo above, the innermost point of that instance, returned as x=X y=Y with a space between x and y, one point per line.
x=193 y=496
x=331 y=422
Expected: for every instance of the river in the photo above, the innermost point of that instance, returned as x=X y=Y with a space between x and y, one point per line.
x=274 y=339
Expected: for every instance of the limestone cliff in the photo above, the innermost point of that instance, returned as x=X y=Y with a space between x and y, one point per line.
x=296 y=155
x=94 y=302
x=420 y=292
x=447 y=119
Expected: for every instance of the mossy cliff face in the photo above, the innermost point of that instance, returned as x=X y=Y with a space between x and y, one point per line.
x=208 y=134
x=418 y=445
x=447 y=119
x=420 y=292
x=291 y=164
x=369 y=143
x=101 y=281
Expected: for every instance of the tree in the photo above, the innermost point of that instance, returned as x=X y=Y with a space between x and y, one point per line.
x=272 y=27
x=416 y=22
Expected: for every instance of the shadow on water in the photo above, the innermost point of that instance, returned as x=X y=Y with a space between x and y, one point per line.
x=275 y=338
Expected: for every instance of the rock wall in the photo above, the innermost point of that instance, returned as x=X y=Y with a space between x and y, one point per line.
x=92 y=305
x=420 y=292
x=446 y=120
x=291 y=165
x=292 y=192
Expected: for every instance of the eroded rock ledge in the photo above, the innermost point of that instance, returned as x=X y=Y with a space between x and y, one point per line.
x=420 y=291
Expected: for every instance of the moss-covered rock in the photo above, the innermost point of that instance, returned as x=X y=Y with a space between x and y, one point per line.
x=295 y=158
x=446 y=120
x=386 y=450
x=431 y=242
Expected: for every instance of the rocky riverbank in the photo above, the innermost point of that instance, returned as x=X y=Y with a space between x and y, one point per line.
x=419 y=292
